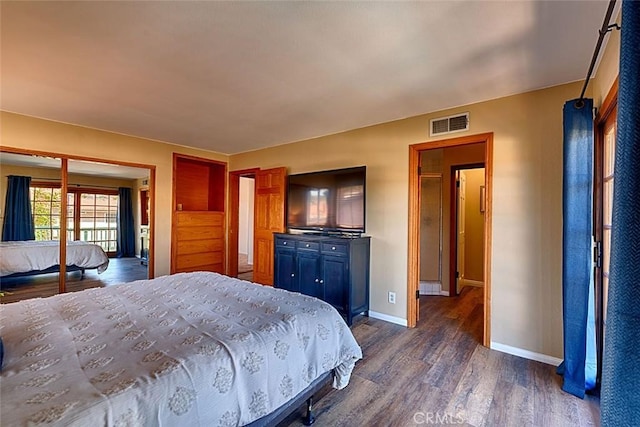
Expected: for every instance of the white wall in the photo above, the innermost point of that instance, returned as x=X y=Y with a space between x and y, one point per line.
x=245 y=232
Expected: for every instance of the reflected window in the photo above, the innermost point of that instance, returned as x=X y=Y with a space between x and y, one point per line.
x=45 y=208
x=92 y=215
x=98 y=220
x=317 y=209
x=350 y=206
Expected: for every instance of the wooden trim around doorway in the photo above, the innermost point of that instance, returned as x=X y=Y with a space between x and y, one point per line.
x=234 y=217
x=413 y=268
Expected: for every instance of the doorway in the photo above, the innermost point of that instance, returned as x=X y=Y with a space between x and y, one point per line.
x=474 y=150
x=239 y=183
x=467 y=236
x=269 y=204
x=245 y=227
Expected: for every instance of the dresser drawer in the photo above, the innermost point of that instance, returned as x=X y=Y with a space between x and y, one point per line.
x=285 y=243
x=311 y=246
x=335 y=248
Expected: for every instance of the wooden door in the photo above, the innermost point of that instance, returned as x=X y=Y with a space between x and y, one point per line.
x=462 y=202
x=269 y=219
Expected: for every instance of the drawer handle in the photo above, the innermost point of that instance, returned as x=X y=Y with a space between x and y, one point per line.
x=284 y=243
x=333 y=248
x=321 y=281
x=293 y=274
x=316 y=280
x=307 y=245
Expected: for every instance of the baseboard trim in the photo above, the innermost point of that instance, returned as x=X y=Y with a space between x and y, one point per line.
x=531 y=355
x=469 y=282
x=388 y=318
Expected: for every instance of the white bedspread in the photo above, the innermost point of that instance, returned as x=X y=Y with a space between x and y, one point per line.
x=184 y=350
x=24 y=256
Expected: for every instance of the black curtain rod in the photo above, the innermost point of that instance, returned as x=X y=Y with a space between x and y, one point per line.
x=603 y=31
x=77 y=185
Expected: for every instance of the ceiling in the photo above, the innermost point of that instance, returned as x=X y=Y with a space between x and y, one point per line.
x=238 y=76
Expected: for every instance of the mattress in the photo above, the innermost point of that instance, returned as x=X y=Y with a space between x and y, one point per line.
x=197 y=349
x=32 y=255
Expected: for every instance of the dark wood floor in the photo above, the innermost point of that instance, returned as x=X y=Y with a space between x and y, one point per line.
x=120 y=270
x=440 y=374
x=245 y=270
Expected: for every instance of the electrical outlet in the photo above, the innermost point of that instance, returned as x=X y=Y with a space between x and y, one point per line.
x=392 y=297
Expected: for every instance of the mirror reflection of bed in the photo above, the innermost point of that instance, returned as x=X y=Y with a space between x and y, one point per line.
x=105 y=213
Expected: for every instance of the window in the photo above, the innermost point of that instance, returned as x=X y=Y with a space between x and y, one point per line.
x=609 y=139
x=606 y=122
x=91 y=215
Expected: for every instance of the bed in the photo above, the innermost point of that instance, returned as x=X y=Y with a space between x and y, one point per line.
x=197 y=349
x=31 y=257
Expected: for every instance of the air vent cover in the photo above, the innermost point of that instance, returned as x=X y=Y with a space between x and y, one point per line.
x=457 y=123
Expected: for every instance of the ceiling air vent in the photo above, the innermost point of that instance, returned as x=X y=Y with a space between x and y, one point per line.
x=450 y=124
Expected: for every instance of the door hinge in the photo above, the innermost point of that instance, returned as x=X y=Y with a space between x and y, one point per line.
x=419 y=170
x=597 y=254
x=417 y=293
x=457 y=274
x=458 y=183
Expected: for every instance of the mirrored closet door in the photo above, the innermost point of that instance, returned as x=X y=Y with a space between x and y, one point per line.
x=32 y=226
x=102 y=225
x=105 y=219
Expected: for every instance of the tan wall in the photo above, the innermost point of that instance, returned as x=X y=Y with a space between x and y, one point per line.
x=42 y=135
x=608 y=68
x=474 y=227
x=527 y=206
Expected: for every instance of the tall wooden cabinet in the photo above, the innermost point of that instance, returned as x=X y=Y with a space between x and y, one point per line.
x=198 y=231
x=333 y=269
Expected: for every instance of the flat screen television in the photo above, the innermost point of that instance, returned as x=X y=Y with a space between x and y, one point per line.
x=328 y=201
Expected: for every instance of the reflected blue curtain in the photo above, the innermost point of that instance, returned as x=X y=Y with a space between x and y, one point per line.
x=18 y=221
x=620 y=404
x=579 y=367
x=126 y=232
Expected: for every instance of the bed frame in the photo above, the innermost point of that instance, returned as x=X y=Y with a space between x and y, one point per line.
x=280 y=414
x=52 y=269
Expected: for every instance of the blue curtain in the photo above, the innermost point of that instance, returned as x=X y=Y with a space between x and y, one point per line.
x=126 y=231
x=18 y=221
x=579 y=367
x=620 y=404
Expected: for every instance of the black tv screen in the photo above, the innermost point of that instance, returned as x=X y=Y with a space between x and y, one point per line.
x=327 y=201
